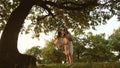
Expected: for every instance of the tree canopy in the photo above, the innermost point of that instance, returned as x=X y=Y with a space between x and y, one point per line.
x=49 y=15
x=114 y=42
x=46 y=16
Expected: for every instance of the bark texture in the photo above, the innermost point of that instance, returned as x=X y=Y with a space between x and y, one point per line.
x=9 y=55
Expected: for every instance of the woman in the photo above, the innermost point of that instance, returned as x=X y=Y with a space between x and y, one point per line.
x=69 y=37
x=68 y=47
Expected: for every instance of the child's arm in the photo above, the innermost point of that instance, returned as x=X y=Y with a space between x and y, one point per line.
x=55 y=41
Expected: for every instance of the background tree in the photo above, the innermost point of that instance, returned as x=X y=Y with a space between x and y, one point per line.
x=36 y=52
x=115 y=43
x=87 y=48
x=52 y=55
x=47 y=15
x=97 y=48
x=79 y=48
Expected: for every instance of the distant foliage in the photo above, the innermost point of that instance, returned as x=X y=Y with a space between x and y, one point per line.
x=114 y=42
x=52 y=55
x=36 y=52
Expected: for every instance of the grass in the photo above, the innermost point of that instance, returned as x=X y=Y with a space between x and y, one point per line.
x=83 y=65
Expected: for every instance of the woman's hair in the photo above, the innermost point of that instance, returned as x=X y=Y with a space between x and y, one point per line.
x=65 y=30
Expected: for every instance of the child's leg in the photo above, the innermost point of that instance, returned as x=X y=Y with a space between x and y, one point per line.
x=67 y=59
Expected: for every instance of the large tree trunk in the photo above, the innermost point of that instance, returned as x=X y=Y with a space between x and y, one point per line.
x=9 y=55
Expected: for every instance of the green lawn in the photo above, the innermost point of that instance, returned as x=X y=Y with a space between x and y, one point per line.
x=83 y=65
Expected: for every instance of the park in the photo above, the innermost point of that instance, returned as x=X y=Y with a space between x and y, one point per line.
x=90 y=51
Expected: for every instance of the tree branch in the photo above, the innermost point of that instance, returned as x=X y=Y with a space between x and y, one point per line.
x=111 y=1
x=41 y=18
x=78 y=6
x=48 y=10
x=72 y=3
x=45 y=6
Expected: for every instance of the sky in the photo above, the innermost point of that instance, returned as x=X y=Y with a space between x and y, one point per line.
x=26 y=42
x=108 y=29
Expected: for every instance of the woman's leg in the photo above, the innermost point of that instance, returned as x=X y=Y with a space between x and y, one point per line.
x=70 y=59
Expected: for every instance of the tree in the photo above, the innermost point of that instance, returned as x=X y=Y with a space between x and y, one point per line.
x=36 y=52
x=52 y=55
x=9 y=55
x=97 y=49
x=114 y=42
x=46 y=15
x=79 y=48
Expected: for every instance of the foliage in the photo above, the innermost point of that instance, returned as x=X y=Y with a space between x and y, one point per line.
x=79 y=49
x=114 y=41
x=54 y=14
x=48 y=15
x=87 y=48
x=36 y=52
x=33 y=51
x=48 y=54
x=6 y=8
x=93 y=48
x=51 y=55
x=97 y=47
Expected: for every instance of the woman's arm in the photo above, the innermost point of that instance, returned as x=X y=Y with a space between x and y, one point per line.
x=66 y=41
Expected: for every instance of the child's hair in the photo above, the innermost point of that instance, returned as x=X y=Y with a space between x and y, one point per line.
x=59 y=34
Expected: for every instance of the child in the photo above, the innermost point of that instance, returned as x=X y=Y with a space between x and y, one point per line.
x=58 y=40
